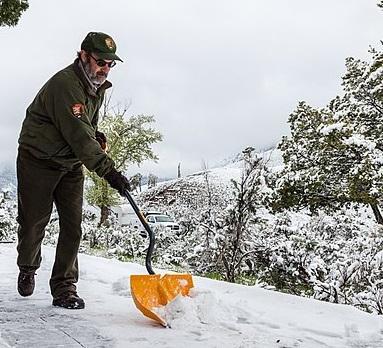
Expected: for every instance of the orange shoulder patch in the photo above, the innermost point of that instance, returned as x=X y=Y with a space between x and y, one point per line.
x=78 y=110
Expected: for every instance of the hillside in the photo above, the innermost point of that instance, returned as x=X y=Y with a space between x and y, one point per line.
x=191 y=188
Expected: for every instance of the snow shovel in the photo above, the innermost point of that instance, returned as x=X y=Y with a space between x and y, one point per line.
x=151 y=292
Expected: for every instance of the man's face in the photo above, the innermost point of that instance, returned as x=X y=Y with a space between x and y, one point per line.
x=96 y=73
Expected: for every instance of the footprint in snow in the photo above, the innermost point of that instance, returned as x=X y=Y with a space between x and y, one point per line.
x=121 y=287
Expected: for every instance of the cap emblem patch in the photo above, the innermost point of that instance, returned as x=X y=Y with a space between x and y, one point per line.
x=110 y=43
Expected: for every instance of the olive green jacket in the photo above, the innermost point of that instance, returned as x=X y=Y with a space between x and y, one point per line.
x=61 y=121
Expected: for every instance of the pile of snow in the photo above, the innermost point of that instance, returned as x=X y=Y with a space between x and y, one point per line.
x=200 y=308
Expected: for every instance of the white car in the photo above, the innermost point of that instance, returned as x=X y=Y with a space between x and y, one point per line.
x=153 y=212
x=162 y=220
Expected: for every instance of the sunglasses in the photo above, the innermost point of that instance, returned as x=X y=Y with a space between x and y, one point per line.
x=101 y=63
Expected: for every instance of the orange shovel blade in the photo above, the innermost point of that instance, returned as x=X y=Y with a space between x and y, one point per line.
x=150 y=292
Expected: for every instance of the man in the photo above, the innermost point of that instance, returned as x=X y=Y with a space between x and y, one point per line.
x=58 y=136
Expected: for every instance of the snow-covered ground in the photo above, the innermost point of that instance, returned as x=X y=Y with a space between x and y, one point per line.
x=217 y=314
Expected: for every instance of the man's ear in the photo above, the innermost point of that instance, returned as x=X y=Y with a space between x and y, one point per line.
x=83 y=55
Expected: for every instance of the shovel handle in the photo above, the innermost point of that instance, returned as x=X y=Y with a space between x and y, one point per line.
x=148 y=261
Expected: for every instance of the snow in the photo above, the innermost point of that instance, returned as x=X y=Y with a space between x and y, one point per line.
x=326 y=130
x=360 y=140
x=217 y=314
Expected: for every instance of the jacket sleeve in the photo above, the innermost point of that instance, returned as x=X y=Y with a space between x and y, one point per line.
x=66 y=104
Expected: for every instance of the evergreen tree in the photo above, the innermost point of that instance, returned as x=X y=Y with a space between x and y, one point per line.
x=11 y=10
x=306 y=179
x=335 y=154
x=361 y=109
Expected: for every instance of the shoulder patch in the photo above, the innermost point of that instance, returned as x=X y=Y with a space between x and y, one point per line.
x=78 y=110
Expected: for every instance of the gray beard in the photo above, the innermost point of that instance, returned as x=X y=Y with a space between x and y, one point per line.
x=96 y=79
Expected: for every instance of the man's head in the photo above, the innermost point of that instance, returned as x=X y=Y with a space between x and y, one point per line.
x=98 y=55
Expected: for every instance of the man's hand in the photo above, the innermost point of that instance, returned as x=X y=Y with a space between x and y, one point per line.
x=118 y=181
x=101 y=138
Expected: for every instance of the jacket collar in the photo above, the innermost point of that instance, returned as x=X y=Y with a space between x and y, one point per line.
x=91 y=89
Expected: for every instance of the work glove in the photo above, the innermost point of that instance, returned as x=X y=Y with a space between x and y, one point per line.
x=101 y=138
x=118 y=181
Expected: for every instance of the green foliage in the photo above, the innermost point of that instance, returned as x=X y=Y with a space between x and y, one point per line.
x=11 y=10
x=311 y=160
x=124 y=257
x=129 y=141
x=244 y=279
x=213 y=275
x=334 y=155
x=100 y=194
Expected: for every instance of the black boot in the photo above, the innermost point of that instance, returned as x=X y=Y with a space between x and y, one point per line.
x=69 y=300
x=26 y=282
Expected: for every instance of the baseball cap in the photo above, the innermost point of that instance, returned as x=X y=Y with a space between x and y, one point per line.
x=101 y=44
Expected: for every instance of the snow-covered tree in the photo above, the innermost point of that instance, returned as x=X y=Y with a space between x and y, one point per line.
x=306 y=180
x=334 y=156
x=233 y=230
x=129 y=141
x=152 y=180
x=136 y=182
x=8 y=212
x=360 y=109
x=204 y=226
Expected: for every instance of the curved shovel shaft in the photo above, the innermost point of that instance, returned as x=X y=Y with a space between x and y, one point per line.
x=148 y=261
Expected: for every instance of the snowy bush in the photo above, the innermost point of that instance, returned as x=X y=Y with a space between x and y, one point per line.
x=332 y=258
x=110 y=239
x=336 y=258
x=8 y=213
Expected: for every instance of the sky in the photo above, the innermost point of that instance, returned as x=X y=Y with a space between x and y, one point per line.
x=218 y=76
x=217 y=314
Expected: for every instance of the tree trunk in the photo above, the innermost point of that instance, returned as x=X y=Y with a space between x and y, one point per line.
x=92 y=239
x=104 y=215
x=378 y=215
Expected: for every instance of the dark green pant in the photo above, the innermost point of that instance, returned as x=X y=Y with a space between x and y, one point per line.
x=40 y=184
